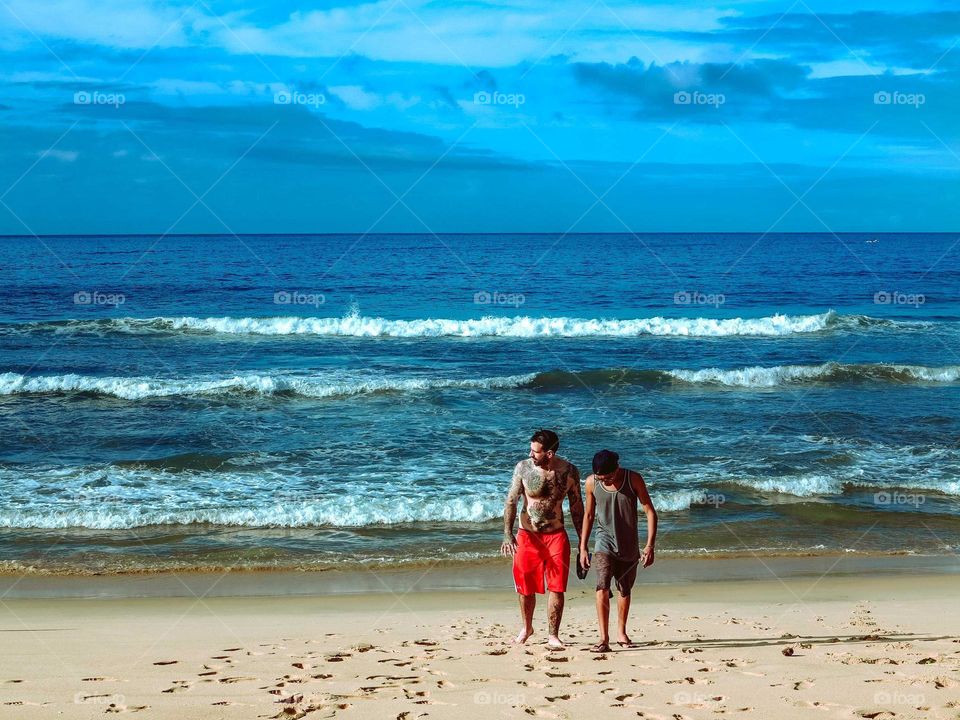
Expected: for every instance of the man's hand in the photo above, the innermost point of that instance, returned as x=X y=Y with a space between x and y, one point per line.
x=646 y=556
x=509 y=546
x=584 y=558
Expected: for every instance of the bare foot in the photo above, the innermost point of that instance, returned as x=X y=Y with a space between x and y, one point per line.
x=554 y=642
x=523 y=636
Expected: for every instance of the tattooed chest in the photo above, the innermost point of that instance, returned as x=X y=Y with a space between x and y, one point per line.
x=543 y=487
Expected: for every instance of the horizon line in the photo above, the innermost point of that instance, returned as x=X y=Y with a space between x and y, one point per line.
x=438 y=234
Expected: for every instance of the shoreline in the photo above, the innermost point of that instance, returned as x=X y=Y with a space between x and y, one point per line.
x=460 y=579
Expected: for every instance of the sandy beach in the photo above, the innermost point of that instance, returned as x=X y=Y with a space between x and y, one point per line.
x=832 y=647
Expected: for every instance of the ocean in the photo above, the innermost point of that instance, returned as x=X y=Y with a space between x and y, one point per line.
x=321 y=401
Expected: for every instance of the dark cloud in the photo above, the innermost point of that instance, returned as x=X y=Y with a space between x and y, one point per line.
x=650 y=92
x=294 y=134
x=779 y=92
x=445 y=95
x=483 y=80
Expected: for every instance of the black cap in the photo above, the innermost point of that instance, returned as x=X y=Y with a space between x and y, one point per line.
x=605 y=462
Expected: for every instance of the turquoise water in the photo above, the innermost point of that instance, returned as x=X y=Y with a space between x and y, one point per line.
x=310 y=401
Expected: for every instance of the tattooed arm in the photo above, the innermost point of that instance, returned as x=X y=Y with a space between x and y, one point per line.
x=575 y=499
x=509 y=546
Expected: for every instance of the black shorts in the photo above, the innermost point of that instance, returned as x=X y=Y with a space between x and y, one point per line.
x=623 y=572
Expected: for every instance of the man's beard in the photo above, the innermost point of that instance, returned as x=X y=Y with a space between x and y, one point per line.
x=545 y=463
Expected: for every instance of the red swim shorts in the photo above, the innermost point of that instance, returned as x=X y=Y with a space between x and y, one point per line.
x=540 y=554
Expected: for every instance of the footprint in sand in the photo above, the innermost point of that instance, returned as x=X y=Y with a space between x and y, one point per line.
x=179 y=686
x=531 y=683
x=538 y=713
x=166 y=662
x=120 y=708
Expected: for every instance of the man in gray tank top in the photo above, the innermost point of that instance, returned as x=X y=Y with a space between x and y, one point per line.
x=613 y=495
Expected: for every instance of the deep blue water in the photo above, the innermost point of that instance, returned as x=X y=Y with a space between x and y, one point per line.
x=305 y=400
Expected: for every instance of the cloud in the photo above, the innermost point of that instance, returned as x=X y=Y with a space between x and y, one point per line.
x=288 y=134
x=63 y=155
x=478 y=34
x=914 y=39
x=112 y=23
x=650 y=91
x=356 y=97
x=777 y=92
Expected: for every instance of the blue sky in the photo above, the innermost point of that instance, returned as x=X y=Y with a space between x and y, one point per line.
x=540 y=116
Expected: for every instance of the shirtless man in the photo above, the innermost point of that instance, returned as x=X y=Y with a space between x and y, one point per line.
x=541 y=547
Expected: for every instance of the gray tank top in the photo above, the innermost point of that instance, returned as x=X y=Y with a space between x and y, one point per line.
x=616 y=519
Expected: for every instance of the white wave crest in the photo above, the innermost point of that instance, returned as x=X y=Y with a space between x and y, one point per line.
x=760 y=377
x=518 y=327
x=513 y=327
x=318 y=387
x=804 y=486
x=340 y=511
